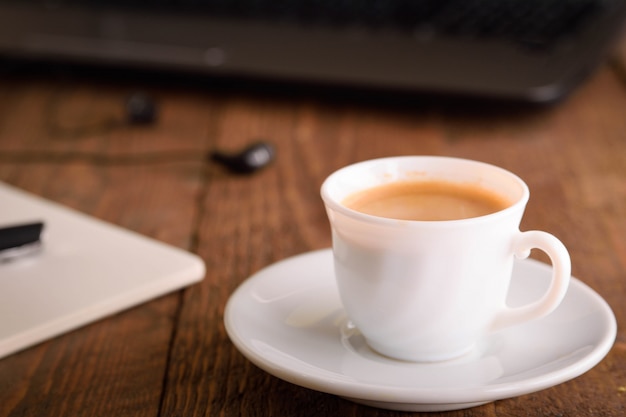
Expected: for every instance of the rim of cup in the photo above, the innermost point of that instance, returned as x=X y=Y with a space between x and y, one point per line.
x=332 y=200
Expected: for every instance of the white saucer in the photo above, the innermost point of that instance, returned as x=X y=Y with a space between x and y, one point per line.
x=288 y=320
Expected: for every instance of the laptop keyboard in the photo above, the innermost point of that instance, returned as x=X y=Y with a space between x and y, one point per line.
x=531 y=24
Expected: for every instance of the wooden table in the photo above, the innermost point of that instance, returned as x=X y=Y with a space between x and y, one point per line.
x=65 y=138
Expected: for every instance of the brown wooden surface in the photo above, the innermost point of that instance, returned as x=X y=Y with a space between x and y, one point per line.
x=64 y=138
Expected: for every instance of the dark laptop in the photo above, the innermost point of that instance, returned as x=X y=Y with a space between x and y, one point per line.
x=522 y=50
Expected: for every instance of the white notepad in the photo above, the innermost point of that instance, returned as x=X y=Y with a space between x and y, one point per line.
x=86 y=269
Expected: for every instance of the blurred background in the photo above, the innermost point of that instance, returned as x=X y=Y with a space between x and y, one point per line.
x=534 y=51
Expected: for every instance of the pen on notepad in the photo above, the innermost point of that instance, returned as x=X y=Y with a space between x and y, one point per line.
x=20 y=240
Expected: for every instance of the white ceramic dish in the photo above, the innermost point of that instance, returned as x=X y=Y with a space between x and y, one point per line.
x=288 y=320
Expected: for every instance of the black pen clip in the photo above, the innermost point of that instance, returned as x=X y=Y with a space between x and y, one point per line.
x=20 y=240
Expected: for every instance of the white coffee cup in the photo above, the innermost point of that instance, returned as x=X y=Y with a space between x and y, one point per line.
x=429 y=290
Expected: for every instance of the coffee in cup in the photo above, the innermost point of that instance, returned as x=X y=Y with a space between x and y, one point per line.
x=426 y=201
x=424 y=249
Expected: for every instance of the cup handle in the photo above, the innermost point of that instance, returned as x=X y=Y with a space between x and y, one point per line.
x=561 y=272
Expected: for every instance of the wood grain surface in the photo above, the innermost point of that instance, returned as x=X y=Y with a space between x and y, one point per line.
x=66 y=139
